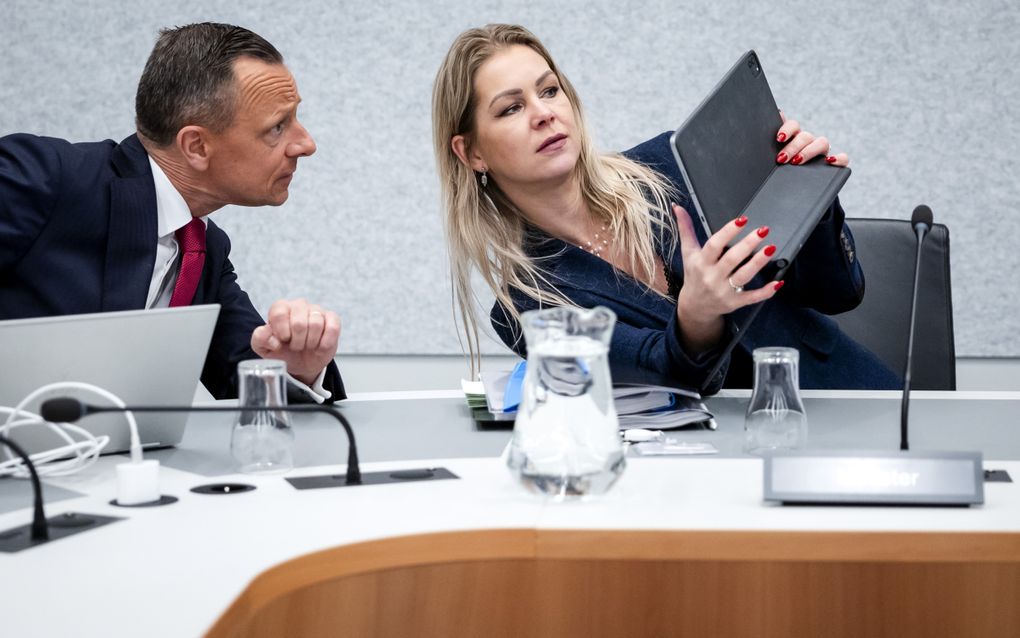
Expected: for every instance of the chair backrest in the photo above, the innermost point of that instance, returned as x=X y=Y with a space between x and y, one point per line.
x=886 y=249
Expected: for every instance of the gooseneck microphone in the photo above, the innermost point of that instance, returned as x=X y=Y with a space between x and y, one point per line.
x=69 y=410
x=40 y=530
x=921 y=220
x=880 y=477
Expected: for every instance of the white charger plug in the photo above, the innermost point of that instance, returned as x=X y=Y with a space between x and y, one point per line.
x=138 y=482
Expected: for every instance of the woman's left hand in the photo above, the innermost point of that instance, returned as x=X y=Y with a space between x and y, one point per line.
x=804 y=146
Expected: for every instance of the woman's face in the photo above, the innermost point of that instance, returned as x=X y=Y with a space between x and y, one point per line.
x=524 y=125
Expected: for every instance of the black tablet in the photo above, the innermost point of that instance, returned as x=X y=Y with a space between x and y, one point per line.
x=727 y=151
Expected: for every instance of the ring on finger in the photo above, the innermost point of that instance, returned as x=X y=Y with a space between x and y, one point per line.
x=734 y=286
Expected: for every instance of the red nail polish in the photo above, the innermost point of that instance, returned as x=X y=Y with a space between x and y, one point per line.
x=781 y=158
x=740 y=221
x=831 y=159
x=770 y=250
x=763 y=231
x=781 y=137
x=797 y=159
x=778 y=285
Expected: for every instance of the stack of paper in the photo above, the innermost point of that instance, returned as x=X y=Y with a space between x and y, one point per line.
x=637 y=406
x=659 y=408
x=474 y=392
x=503 y=388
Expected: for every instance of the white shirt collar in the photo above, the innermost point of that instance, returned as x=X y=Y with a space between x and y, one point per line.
x=172 y=211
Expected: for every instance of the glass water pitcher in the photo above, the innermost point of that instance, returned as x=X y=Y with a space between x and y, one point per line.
x=566 y=440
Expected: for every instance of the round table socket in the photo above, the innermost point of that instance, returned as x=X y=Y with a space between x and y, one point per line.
x=163 y=500
x=223 y=488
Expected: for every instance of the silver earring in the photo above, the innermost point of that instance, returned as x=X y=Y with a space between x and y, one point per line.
x=485 y=179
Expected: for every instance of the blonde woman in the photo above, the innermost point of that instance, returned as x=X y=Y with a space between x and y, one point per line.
x=546 y=220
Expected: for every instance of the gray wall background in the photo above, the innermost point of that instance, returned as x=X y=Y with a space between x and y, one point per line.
x=925 y=96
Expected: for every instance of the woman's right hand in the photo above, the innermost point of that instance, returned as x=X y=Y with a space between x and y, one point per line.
x=714 y=279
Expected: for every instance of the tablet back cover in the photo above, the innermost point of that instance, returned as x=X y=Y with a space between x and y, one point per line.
x=727 y=151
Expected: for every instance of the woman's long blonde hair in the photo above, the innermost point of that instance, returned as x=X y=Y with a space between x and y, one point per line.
x=485 y=231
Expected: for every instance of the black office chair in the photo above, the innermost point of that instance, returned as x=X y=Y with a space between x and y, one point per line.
x=886 y=248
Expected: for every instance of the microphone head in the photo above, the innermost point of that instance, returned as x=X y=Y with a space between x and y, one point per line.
x=921 y=215
x=63 y=410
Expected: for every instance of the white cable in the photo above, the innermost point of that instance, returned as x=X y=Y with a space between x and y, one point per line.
x=136 y=445
x=85 y=451
x=54 y=462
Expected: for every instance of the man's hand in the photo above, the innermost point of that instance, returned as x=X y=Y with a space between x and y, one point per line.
x=302 y=334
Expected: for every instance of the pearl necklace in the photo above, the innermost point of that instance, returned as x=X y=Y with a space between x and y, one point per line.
x=599 y=244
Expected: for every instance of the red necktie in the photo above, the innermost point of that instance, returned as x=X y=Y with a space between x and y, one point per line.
x=191 y=239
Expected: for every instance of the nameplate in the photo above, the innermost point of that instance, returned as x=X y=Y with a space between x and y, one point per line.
x=823 y=477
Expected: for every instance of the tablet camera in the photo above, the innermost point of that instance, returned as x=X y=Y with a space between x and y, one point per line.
x=752 y=63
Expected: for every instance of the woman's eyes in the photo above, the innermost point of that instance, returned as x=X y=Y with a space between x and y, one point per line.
x=548 y=92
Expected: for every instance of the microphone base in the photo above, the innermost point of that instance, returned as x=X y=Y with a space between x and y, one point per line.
x=873 y=477
x=373 y=478
x=61 y=526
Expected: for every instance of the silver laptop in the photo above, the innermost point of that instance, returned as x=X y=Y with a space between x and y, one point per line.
x=145 y=357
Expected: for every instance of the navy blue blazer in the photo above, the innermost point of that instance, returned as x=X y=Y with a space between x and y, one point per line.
x=78 y=235
x=824 y=278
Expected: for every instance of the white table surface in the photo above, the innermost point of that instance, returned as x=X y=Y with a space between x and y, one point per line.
x=171 y=571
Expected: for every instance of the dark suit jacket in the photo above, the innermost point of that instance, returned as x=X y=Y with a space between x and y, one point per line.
x=78 y=235
x=646 y=346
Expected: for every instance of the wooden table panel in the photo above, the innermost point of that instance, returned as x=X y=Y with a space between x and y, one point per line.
x=569 y=583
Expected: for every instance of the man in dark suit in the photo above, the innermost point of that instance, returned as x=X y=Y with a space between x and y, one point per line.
x=97 y=227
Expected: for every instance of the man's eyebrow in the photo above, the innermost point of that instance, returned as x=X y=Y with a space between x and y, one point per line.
x=538 y=82
x=287 y=110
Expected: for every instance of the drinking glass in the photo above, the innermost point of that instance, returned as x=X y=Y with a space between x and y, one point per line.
x=775 y=419
x=262 y=440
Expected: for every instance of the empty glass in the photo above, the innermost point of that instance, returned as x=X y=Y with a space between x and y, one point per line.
x=262 y=440
x=566 y=440
x=775 y=419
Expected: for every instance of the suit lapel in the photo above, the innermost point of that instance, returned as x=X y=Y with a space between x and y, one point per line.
x=131 y=240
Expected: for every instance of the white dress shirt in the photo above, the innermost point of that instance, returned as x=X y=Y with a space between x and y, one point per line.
x=172 y=214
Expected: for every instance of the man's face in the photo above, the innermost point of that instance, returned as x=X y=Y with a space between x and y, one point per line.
x=253 y=161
